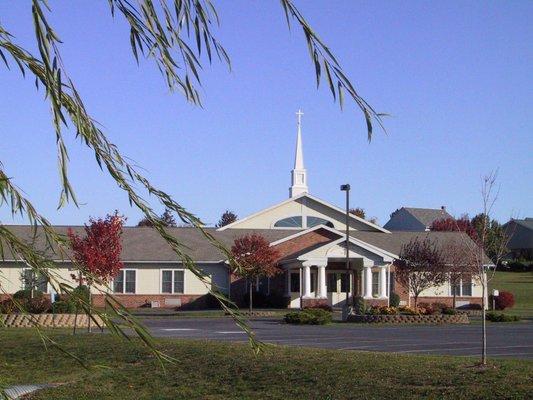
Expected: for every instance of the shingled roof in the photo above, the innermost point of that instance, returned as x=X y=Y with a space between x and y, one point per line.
x=145 y=244
x=428 y=215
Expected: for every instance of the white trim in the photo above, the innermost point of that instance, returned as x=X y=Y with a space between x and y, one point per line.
x=353 y=240
x=161 y=270
x=387 y=257
x=324 y=203
x=112 y=287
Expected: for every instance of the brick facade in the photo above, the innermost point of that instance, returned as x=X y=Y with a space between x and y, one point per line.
x=314 y=302
x=293 y=246
x=188 y=302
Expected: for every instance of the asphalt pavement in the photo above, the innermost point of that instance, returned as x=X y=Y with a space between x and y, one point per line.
x=509 y=340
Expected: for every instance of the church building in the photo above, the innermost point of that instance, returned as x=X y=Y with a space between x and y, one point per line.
x=310 y=235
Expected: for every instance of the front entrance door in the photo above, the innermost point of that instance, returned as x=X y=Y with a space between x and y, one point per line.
x=337 y=283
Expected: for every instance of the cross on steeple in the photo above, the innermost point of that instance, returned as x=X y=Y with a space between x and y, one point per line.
x=298 y=174
x=299 y=114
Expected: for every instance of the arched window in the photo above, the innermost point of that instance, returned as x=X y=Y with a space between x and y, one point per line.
x=290 y=222
x=314 y=221
x=296 y=222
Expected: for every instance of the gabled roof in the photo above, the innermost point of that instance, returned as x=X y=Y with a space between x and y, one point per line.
x=427 y=215
x=307 y=195
x=526 y=223
x=144 y=244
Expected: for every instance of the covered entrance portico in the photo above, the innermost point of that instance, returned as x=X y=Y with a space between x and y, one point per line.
x=320 y=275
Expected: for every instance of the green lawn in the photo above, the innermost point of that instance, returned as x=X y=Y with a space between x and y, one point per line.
x=521 y=285
x=209 y=370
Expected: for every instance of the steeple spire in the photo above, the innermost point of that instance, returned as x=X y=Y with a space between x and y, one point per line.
x=298 y=174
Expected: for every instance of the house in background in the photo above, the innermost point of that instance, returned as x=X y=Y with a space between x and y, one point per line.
x=520 y=242
x=415 y=219
x=309 y=234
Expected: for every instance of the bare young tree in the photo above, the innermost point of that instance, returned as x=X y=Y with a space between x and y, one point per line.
x=481 y=264
x=420 y=267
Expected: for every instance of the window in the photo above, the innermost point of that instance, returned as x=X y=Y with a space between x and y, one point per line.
x=314 y=221
x=375 y=283
x=31 y=280
x=463 y=287
x=466 y=285
x=263 y=285
x=290 y=222
x=332 y=282
x=456 y=289
x=172 y=281
x=125 y=281
x=166 y=282
x=313 y=281
x=345 y=279
x=295 y=282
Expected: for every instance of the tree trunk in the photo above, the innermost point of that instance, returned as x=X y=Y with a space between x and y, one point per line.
x=251 y=287
x=416 y=301
x=89 y=313
x=76 y=313
x=483 y=327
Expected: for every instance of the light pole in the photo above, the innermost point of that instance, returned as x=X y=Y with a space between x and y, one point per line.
x=346 y=188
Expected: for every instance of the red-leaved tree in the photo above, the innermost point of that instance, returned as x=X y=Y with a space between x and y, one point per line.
x=255 y=259
x=462 y=224
x=97 y=254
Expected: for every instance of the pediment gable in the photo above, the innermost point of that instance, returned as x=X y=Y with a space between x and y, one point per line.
x=306 y=210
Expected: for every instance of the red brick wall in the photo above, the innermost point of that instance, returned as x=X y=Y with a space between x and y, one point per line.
x=314 y=302
x=292 y=246
x=447 y=300
x=143 y=300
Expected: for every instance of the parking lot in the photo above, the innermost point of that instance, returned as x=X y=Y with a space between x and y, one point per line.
x=513 y=340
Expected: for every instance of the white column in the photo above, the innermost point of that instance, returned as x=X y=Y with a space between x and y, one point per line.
x=307 y=281
x=368 y=282
x=322 y=289
x=383 y=282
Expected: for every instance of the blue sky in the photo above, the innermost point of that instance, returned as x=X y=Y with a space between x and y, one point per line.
x=455 y=77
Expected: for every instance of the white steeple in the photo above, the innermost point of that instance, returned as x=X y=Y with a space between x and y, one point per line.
x=298 y=174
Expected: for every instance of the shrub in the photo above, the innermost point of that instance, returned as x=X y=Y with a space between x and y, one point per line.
x=38 y=305
x=63 y=307
x=382 y=310
x=449 y=311
x=439 y=306
x=81 y=292
x=394 y=299
x=26 y=294
x=8 y=307
x=500 y=317
x=407 y=310
x=472 y=306
x=519 y=266
x=428 y=309
x=309 y=316
x=359 y=305
x=504 y=300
